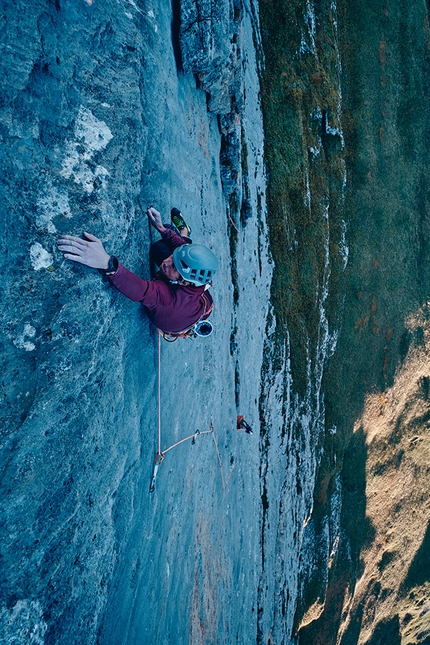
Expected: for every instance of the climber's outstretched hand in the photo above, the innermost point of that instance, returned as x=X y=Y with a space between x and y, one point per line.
x=88 y=251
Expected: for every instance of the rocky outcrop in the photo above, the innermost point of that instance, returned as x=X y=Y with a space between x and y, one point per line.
x=211 y=46
x=210 y=36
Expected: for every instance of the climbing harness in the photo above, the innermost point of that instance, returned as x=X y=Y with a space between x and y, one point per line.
x=202 y=327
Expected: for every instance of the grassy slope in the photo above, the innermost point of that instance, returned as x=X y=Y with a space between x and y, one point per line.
x=294 y=89
x=384 y=49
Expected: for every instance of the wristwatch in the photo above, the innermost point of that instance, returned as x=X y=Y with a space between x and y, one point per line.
x=112 y=266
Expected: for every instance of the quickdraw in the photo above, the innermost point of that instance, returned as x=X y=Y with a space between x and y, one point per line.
x=157 y=463
x=159 y=456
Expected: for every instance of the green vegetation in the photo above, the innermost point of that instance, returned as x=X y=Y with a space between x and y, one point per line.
x=380 y=148
x=300 y=99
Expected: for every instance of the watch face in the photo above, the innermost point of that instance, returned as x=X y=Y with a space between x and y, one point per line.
x=113 y=264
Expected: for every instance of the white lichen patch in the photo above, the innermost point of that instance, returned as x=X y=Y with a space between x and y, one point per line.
x=23 y=623
x=151 y=14
x=92 y=135
x=40 y=258
x=23 y=340
x=93 y=132
x=134 y=5
x=52 y=204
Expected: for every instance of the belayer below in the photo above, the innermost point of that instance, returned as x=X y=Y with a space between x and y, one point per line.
x=241 y=424
x=177 y=297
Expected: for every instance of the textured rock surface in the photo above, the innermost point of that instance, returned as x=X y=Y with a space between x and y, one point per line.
x=97 y=124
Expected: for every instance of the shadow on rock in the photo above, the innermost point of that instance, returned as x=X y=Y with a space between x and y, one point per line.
x=419 y=571
x=344 y=564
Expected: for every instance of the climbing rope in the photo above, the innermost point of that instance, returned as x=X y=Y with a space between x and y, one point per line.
x=159 y=392
x=159 y=455
x=192 y=436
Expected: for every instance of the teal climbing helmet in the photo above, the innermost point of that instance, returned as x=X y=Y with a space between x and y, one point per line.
x=196 y=263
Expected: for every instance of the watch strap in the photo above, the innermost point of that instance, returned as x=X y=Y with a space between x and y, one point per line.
x=112 y=266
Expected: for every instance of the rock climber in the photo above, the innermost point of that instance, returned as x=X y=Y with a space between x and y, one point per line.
x=241 y=424
x=177 y=298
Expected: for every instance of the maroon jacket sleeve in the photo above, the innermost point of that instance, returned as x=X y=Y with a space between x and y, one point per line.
x=149 y=293
x=135 y=288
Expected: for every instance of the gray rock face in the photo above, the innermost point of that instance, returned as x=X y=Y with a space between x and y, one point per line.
x=97 y=123
x=210 y=38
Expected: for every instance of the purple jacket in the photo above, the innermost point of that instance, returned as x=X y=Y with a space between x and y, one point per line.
x=170 y=307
